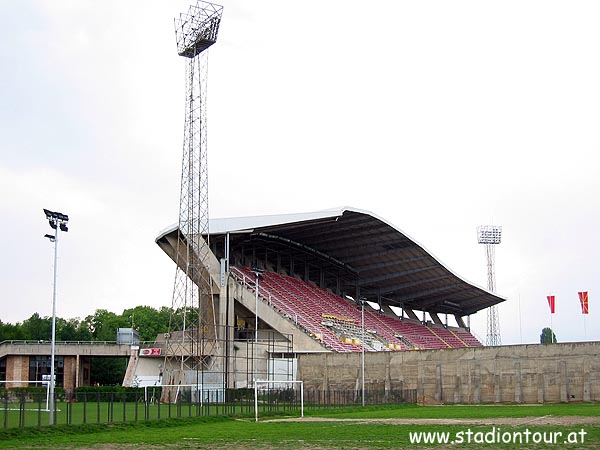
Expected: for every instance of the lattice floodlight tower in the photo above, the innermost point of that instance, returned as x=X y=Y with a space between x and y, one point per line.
x=491 y=235
x=191 y=343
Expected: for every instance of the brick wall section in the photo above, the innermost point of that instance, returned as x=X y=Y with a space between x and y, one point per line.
x=70 y=373
x=17 y=368
x=507 y=374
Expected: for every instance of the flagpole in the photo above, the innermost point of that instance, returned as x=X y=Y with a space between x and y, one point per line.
x=551 y=303
x=520 y=327
x=583 y=299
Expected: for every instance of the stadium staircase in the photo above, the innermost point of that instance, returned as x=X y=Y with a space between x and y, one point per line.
x=336 y=322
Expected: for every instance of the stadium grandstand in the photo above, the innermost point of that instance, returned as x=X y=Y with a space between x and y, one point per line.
x=319 y=272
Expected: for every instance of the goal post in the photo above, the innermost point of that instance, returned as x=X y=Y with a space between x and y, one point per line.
x=293 y=384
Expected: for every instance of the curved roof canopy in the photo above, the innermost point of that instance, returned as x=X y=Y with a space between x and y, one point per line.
x=381 y=259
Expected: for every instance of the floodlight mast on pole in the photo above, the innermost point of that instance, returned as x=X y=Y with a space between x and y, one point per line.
x=491 y=235
x=57 y=221
x=191 y=342
x=362 y=347
x=258 y=273
x=362 y=301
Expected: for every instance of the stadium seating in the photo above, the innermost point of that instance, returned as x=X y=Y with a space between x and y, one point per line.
x=336 y=322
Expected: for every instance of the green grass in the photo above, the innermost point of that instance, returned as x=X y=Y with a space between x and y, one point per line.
x=228 y=433
x=222 y=432
x=103 y=412
x=460 y=411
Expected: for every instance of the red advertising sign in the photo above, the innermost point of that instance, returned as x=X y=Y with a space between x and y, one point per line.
x=551 y=303
x=150 y=352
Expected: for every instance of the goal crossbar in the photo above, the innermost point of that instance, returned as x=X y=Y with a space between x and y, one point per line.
x=267 y=382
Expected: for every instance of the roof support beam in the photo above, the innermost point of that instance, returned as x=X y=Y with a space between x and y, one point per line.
x=459 y=321
x=435 y=318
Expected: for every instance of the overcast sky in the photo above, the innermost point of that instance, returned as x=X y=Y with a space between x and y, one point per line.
x=435 y=115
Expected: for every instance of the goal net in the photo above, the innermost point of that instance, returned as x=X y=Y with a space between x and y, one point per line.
x=266 y=391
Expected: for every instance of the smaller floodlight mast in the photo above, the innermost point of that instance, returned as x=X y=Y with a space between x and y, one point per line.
x=491 y=235
x=57 y=221
x=258 y=273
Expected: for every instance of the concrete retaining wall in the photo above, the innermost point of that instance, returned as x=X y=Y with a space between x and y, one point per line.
x=507 y=374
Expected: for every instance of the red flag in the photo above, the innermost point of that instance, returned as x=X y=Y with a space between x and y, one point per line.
x=583 y=299
x=551 y=303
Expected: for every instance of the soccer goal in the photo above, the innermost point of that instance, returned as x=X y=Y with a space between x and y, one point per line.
x=186 y=393
x=19 y=383
x=270 y=385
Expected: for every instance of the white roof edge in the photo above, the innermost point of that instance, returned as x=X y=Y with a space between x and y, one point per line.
x=166 y=231
x=249 y=223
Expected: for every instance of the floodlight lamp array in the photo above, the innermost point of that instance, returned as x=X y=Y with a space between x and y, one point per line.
x=197 y=29
x=489 y=234
x=57 y=219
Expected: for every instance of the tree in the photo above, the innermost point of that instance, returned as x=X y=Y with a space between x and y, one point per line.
x=37 y=328
x=10 y=332
x=72 y=330
x=108 y=371
x=147 y=321
x=103 y=325
x=548 y=336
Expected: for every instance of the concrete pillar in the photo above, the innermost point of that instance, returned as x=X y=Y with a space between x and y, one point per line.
x=388 y=379
x=326 y=373
x=587 y=387
x=457 y=384
x=518 y=383
x=476 y=376
x=563 y=382
x=540 y=382
x=420 y=390
x=439 y=391
x=77 y=370
x=497 y=383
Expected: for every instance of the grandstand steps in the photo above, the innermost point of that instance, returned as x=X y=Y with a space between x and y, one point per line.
x=274 y=319
x=335 y=323
x=439 y=337
x=458 y=338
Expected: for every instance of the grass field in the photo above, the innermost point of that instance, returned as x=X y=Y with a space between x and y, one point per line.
x=353 y=427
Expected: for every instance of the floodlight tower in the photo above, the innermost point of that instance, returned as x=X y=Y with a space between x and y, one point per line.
x=57 y=221
x=191 y=340
x=491 y=235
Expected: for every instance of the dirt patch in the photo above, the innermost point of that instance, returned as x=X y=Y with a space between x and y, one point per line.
x=514 y=421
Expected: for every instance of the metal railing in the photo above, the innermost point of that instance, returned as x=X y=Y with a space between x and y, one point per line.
x=27 y=407
x=44 y=342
